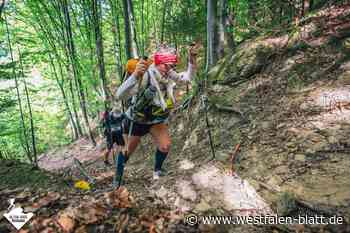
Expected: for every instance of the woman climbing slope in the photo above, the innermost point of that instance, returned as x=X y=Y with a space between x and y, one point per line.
x=152 y=92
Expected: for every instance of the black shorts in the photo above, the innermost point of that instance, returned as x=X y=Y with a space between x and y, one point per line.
x=114 y=137
x=137 y=128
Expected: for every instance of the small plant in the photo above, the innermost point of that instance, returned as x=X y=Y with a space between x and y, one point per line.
x=286 y=204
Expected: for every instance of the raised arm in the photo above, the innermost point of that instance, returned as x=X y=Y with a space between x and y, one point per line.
x=126 y=89
x=187 y=75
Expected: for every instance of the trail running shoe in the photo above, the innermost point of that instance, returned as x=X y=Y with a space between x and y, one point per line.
x=156 y=175
x=107 y=163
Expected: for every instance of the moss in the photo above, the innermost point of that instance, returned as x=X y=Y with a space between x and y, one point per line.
x=15 y=174
x=286 y=204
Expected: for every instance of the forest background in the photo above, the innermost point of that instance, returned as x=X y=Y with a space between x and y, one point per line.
x=61 y=60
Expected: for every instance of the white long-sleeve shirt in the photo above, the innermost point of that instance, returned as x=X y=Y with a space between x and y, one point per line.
x=164 y=85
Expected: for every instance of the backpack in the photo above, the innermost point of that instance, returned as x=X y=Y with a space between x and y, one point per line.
x=130 y=67
x=112 y=122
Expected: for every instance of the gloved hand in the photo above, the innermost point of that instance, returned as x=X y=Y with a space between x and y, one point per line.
x=140 y=69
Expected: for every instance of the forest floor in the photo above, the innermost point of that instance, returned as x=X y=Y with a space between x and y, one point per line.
x=283 y=98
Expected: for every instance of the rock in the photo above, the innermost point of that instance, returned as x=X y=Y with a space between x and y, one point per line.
x=202 y=206
x=186 y=165
x=182 y=205
x=186 y=190
x=300 y=157
x=332 y=139
x=274 y=182
x=290 y=144
x=180 y=127
x=282 y=125
x=310 y=151
x=281 y=169
x=265 y=125
x=191 y=141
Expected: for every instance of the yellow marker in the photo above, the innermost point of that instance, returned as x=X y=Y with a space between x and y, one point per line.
x=82 y=185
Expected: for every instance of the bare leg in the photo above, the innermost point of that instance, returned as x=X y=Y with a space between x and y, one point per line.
x=106 y=154
x=132 y=143
x=161 y=137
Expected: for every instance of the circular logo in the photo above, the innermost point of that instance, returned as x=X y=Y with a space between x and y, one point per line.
x=191 y=219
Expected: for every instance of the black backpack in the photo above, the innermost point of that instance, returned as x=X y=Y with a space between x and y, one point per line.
x=112 y=122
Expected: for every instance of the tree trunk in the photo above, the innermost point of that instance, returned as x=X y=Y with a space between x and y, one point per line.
x=221 y=29
x=135 y=45
x=76 y=75
x=128 y=39
x=228 y=18
x=130 y=30
x=163 y=21
x=211 y=31
x=49 y=41
x=116 y=37
x=143 y=33
x=74 y=106
x=60 y=84
x=30 y=115
x=99 y=50
x=2 y=5
x=24 y=128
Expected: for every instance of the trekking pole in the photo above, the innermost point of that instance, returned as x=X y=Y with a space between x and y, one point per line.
x=204 y=100
x=82 y=170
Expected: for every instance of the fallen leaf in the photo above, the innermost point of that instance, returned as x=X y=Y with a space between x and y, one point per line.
x=81 y=229
x=152 y=229
x=66 y=223
x=23 y=195
x=47 y=200
x=119 y=198
x=104 y=175
x=92 y=213
x=23 y=231
x=48 y=230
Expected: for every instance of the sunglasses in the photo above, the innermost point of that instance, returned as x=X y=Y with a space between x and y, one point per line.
x=170 y=66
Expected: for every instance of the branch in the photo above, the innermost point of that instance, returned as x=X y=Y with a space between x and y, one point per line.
x=228 y=109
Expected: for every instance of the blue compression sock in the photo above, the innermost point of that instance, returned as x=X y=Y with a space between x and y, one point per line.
x=120 y=163
x=160 y=157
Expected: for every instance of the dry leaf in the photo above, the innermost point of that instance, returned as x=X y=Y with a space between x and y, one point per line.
x=152 y=228
x=66 y=223
x=92 y=213
x=48 y=199
x=23 y=195
x=119 y=198
x=48 y=230
x=104 y=175
x=23 y=231
x=81 y=229
x=39 y=223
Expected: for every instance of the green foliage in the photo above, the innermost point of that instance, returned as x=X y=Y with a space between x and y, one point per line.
x=7 y=100
x=241 y=9
x=38 y=30
x=286 y=204
x=15 y=174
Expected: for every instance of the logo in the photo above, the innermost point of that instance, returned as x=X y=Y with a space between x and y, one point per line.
x=16 y=216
